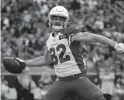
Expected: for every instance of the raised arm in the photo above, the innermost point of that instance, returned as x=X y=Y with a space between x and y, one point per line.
x=86 y=36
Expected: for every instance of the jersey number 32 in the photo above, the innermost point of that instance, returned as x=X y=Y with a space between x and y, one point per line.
x=61 y=57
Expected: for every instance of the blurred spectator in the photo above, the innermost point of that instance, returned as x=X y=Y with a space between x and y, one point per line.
x=75 y=5
x=12 y=95
x=107 y=82
x=46 y=81
x=120 y=82
x=99 y=24
x=26 y=16
x=38 y=93
x=24 y=86
x=4 y=89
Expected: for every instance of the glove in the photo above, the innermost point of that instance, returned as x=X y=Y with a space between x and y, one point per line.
x=119 y=47
x=22 y=64
x=21 y=61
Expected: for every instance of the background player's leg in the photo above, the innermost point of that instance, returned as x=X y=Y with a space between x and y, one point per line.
x=86 y=89
x=57 y=92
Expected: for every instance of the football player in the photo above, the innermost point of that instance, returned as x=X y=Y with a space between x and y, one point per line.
x=63 y=50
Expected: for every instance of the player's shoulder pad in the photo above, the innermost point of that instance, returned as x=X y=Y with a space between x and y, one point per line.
x=72 y=29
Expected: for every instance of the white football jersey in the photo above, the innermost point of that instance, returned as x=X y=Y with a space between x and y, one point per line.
x=67 y=58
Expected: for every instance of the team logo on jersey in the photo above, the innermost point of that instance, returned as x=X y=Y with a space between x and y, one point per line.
x=62 y=37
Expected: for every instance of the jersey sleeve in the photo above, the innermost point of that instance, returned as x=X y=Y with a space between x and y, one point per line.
x=70 y=31
x=73 y=29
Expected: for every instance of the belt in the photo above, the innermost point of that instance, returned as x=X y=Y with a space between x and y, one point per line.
x=71 y=77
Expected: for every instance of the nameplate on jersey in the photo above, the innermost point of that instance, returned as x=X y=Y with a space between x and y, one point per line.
x=62 y=37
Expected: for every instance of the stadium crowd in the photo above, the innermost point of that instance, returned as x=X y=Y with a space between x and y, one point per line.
x=24 y=29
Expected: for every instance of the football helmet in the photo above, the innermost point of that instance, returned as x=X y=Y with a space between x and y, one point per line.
x=61 y=13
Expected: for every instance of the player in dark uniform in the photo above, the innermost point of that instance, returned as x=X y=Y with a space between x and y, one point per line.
x=63 y=50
